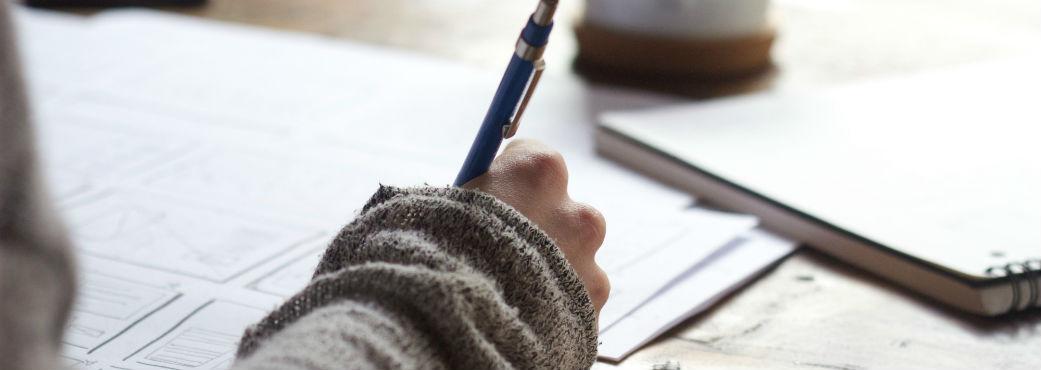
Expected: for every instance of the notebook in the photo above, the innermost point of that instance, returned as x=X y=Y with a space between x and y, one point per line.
x=932 y=181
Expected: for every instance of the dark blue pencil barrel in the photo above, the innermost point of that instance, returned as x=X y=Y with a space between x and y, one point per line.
x=490 y=136
x=511 y=90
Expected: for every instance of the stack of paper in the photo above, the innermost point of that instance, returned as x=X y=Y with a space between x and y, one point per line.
x=202 y=167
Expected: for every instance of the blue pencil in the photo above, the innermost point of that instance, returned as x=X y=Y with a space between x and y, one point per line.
x=514 y=93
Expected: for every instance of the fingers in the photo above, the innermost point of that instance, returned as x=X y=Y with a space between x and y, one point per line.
x=585 y=230
x=533 y=178
x=589 y=227
x=599 y=288
x=594 y=278
x=578 y=228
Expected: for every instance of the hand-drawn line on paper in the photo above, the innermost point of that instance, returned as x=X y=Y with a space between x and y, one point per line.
x=107 y=306
x=76 y=150
x=206 y=338
x=191 y=241
x=290 y=277
x=274 y=183
x=70 y=362
x=194 y=347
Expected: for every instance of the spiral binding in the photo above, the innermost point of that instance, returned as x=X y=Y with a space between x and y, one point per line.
x=1019 y=272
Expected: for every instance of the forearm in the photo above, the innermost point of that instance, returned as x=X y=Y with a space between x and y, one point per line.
x=434 y=276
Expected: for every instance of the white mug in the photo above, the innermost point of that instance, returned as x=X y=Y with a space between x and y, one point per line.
x=697 y=19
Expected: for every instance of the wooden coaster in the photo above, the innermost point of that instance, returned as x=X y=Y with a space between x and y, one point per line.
x=607 y=51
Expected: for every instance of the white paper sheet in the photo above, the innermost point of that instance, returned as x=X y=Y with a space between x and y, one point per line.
x=695 y=291
x=643 y=254
x=202 y=167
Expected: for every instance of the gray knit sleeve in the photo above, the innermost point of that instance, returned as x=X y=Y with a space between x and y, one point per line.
x=432 y=278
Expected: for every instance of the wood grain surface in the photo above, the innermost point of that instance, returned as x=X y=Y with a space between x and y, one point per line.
x=811 y=312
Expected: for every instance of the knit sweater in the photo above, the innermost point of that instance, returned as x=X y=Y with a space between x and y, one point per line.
x=424 y=278
x=432 y=278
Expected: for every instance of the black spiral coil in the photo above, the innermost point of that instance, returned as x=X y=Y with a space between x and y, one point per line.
x=1027 y=272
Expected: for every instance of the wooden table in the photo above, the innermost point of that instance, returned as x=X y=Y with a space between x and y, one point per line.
x=811 y=312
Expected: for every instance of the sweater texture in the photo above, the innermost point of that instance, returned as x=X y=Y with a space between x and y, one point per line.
x=432 y=278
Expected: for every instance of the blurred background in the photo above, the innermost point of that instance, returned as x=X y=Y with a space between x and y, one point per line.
x=819 y=42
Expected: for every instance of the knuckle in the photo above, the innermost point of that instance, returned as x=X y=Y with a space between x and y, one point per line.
x=591 y=225
x=548 y=163
x=543 y=169
x=600 y=289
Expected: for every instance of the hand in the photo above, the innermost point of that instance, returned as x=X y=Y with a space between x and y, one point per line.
x=532 y=178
